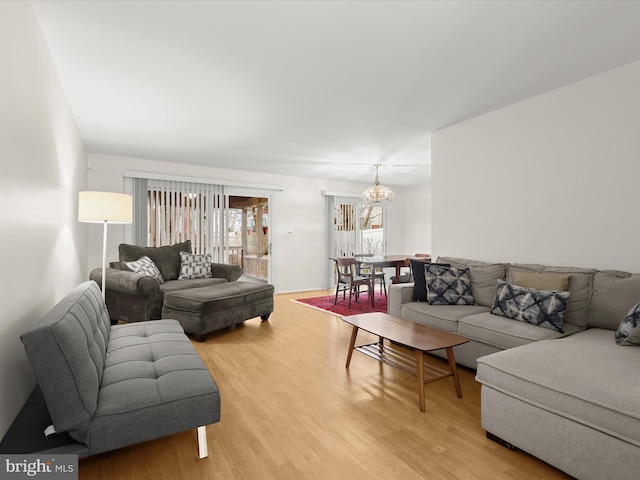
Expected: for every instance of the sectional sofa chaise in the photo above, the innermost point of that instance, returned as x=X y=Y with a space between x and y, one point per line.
x=570 y=398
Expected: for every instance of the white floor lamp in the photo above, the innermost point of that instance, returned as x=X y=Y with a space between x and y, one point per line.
x=104 y=207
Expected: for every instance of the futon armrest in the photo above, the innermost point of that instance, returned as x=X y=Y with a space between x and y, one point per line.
x=230 y=273
x=399 y=293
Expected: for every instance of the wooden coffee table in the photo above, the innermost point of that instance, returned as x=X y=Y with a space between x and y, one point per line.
x=412 y=334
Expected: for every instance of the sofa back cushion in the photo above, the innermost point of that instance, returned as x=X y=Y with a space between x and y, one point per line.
x=580 y=285
x=614 y=293
x=484 y=277
x=67 y=351
x=166 y=258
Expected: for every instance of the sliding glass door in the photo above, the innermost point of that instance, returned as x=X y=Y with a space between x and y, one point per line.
x=353 y=226
x=224 y=221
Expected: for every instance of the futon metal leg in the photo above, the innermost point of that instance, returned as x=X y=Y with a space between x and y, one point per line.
x=203 y=451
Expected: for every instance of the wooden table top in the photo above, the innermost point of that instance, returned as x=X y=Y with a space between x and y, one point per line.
x=405 y=332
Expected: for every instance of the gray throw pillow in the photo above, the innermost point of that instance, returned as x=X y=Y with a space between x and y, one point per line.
x=544 y=308
x=166 y=258
x=195 y=266
x=448 y=285
x=145 y=266
x=628 y=332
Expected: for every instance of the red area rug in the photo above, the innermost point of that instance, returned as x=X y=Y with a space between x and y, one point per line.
x=340 y=309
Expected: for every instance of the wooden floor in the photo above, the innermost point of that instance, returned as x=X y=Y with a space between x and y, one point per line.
x=290 y=410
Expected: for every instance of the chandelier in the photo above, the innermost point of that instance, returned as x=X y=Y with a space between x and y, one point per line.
x=377 y=193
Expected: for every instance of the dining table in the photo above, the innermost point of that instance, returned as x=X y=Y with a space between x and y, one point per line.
x=387 y=261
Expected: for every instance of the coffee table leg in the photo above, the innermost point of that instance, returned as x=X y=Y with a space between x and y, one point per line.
x=352 y=344
x=420 y=375
x=454 y=370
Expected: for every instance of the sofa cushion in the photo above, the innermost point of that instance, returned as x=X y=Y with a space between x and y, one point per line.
x=444 y=317
x=152 y=371
x=67 y=350
x=145 y=266
x=580 y=284
x=504 y=333
x=194 y=266
x=614 y=294
x=448 y=285
x=628 y=332
x=586 y=366
x=483 y=277
x=543 y=308
x=166 y=258
x=175 y=285
x=542 y=281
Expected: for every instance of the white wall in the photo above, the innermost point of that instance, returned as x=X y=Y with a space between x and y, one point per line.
x=43 y=168
x=415 y=218
x=298 y=261
x=551 y=180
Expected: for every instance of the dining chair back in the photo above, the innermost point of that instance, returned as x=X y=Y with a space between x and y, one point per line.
x=377 y=274
x=348 y=279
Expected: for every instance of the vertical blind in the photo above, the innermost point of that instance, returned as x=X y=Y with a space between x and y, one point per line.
x=179 y=211
x=352 y=226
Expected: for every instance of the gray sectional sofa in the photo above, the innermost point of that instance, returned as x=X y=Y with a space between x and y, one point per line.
x=107 y=387
x=571 y=399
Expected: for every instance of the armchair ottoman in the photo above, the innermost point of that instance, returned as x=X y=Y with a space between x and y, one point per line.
x=203 y=310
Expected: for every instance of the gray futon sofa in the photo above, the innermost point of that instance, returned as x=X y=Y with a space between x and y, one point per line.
x=107 y=386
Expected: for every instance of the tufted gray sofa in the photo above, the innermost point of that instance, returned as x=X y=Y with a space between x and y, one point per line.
x=112 y=386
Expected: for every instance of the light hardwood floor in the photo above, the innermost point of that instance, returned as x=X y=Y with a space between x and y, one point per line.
x=290 y=410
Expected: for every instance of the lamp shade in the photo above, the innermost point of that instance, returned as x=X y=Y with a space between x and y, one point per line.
x=100 y=207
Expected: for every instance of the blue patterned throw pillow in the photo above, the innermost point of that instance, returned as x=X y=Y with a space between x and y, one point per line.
x=544 y=308
x=628 y=332
x=145 y=266
x=448 y=285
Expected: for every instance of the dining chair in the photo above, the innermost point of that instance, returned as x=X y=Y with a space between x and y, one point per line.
x=348 y=279
x=368 y=271
x=407 y=277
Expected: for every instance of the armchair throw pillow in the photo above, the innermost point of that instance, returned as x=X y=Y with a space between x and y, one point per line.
x=448 y=285
x=544 y=308
x=195 y=266
x=145 y=266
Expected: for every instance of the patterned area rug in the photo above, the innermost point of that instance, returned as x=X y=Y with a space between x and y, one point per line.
x=339 y=309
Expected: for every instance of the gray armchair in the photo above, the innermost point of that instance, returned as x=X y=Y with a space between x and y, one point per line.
x=134 y=297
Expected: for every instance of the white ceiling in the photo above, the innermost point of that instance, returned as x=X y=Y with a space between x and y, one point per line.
x=316 y=88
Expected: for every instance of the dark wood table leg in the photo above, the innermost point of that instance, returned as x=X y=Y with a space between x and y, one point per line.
x=352 y=344
x=454 y=370
x=420 y=375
